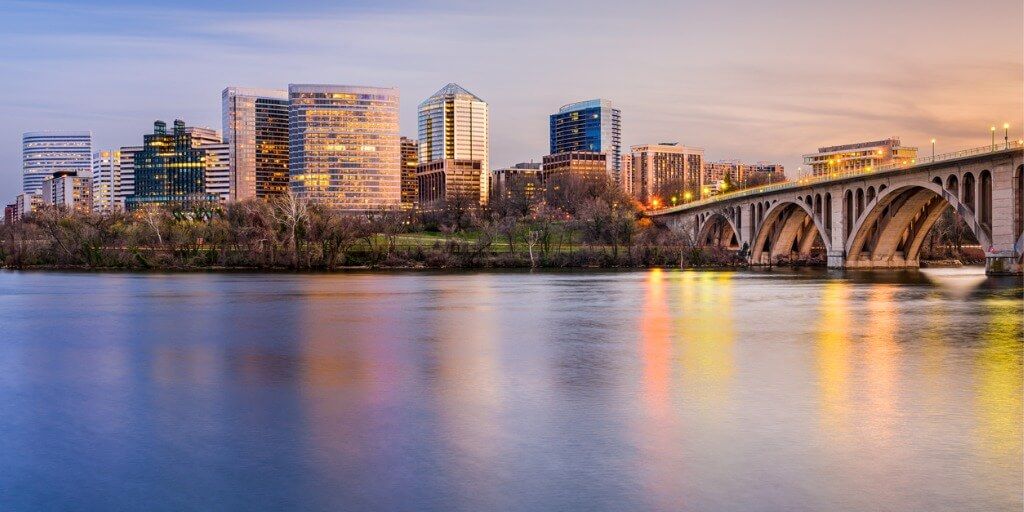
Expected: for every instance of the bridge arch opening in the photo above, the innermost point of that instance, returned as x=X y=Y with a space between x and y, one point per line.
x=848 y=211
x=828 y=213
x=952 y=184
x=892 y=232
x=718 y=230
x=967 y=197
x=790 y=233
x=985 y=199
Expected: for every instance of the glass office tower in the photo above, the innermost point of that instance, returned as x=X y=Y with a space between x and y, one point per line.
x=169 y=169
x=255 y=123
x=344 y=146
x=453 y=125
x=44 y=153
x=592 y=125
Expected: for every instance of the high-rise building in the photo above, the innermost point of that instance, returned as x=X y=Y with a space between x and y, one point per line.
x=588 y=165
x=106 y=176
x=524 y=179
x=666 y=169
x=10 y=213
x=44 y=153
x=449 y=181
x=860 y=156
x=170 y=169
x=255 y=123
x=216 y=161
x=126 y=182
x=410 y=159
x=592 y=125
x=344 y=146
x=66 y=189
x=453 y=125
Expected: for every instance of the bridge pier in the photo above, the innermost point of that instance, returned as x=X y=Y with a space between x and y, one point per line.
x=836 y=259
x=1005 y=263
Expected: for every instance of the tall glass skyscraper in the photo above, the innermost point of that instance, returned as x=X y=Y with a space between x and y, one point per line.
x=592 y=125
x=170 y=168
x=44 y=153
x=255 y=123
x=453 y=125
x=344 y=146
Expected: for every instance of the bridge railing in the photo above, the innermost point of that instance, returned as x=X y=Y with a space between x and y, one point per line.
x=811 y=180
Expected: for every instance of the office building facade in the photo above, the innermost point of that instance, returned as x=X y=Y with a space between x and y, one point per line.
x=68 y=190
x=216 y=161
x=448 y=182
x=344 y=146
x=106 y=176
x=26 y=203
x=859 y=157
x=410 y=160
x=126 y=181
x=169 y=170
x=587 y=165
x=44 y=153
x=666 y=169
x=453 y=124
x=255 y=127
x=593 y=126
x=523 y=179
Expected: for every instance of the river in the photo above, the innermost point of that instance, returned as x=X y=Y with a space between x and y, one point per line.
x=650 y=390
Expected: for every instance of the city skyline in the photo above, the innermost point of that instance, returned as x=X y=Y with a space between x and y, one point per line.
x=737 y=99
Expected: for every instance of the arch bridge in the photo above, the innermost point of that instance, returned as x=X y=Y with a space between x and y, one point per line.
x=870 y=219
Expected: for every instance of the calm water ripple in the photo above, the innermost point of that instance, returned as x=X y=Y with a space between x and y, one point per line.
x=659 y=390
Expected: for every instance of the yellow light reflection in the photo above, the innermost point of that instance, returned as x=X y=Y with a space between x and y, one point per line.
x=834 y=354
x=880 y=358
x=999 y=386
x=706 y=344
x=655 y=332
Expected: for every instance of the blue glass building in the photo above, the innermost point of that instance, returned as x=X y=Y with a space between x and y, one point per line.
x=592 y=125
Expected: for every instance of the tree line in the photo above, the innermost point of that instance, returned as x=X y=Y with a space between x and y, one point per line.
x=569 y=222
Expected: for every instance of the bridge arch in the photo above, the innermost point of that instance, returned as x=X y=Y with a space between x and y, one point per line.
x=893 y=227
x=718 y=229
x=788 y=226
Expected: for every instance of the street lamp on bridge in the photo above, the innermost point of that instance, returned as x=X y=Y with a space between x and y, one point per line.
x=993 y=129
x=1006 y=134
x=933 y=150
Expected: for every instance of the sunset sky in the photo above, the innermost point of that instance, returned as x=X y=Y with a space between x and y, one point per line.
x=746 y=80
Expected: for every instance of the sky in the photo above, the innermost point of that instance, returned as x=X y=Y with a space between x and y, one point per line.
x=743 y=80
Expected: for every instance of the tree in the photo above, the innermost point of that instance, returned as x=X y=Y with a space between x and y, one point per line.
x=290 y=212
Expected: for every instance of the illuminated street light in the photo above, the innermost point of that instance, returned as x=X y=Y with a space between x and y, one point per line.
x=654 y=202
x=993 y=130
x=933 y=150
x=687 y=196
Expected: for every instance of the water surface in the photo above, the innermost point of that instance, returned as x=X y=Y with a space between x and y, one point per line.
x=658 y=390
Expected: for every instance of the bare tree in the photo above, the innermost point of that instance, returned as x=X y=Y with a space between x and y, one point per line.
x=290 y=212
